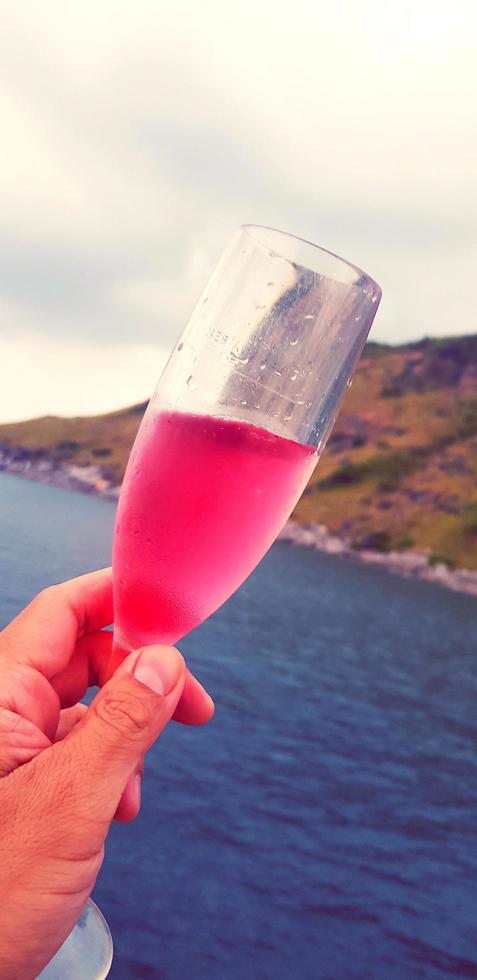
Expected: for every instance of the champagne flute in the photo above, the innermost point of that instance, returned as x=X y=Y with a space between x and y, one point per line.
x=229 y=440
x=234 y=430
x=87 y=953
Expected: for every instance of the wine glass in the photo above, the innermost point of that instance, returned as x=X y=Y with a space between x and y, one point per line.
x=234 y=430
x=229 y=440
x=87 y=953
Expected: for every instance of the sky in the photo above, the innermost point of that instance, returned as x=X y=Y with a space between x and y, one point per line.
x=135 y=138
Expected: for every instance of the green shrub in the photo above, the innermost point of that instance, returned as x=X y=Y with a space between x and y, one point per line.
x=404 y=544
x=345 y=474
x=101 y=451
x=65 y=449
x=387 y=469
x=467 y=418
x=390 y=468
x=437 y=559
x=391 y=390
x=374 y=541
x=469 y=519
x=375 y=349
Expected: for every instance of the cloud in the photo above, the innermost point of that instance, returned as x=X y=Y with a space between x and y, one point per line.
x=73 y=378
x=136 y=139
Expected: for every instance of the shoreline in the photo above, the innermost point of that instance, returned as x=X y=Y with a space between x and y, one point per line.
x=409 y=564
x=83 y=479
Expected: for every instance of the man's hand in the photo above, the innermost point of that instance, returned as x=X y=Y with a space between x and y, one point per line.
x=69 y=770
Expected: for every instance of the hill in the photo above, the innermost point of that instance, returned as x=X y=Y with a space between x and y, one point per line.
x=399 y=471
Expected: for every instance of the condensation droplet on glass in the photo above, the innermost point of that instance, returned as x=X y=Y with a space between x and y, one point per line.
x=191 y=383
x=263 y=366
x=286 y=418
x=374 y=298
x=358 y=317
x=294 y=342
x=293 y=375
x=310 y=316
x=236 y=357
x=277 y=372
x=349 y=382
x=244 y=402
x=180 y=346
x=307 y=404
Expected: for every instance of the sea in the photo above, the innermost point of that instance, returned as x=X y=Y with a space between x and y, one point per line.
x=324 y=825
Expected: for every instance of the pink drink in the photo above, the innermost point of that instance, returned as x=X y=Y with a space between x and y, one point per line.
x=203 y=499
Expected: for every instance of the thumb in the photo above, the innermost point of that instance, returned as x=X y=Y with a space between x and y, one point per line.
x=123 y=721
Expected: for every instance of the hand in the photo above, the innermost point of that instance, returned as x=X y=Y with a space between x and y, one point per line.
x=67 y=770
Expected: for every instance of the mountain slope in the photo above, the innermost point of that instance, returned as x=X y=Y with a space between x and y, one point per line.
x=399 y=470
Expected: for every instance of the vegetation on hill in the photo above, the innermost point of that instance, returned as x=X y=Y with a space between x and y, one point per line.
x=400 y=468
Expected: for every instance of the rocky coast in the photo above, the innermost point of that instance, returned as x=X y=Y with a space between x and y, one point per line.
x=89 y=479
x=411 y=564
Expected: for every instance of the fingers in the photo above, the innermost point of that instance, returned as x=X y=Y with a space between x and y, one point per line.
x=20 y=741
x=69 y=718
x=130 y=802
x=45 y=634
x=56 y=649
x=121 y=724
x=27 y=693
x=195 y=706
x=89 y=598
x=40 y=643
x=85 y=668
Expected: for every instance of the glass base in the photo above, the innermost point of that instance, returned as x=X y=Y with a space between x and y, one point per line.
x=87 y=953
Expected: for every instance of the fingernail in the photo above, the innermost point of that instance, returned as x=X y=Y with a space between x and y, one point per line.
x=159 y=668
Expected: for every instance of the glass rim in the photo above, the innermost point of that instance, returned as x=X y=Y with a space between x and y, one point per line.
x=301 y=245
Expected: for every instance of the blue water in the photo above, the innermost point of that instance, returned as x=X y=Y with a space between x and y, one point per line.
x=325 y=824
